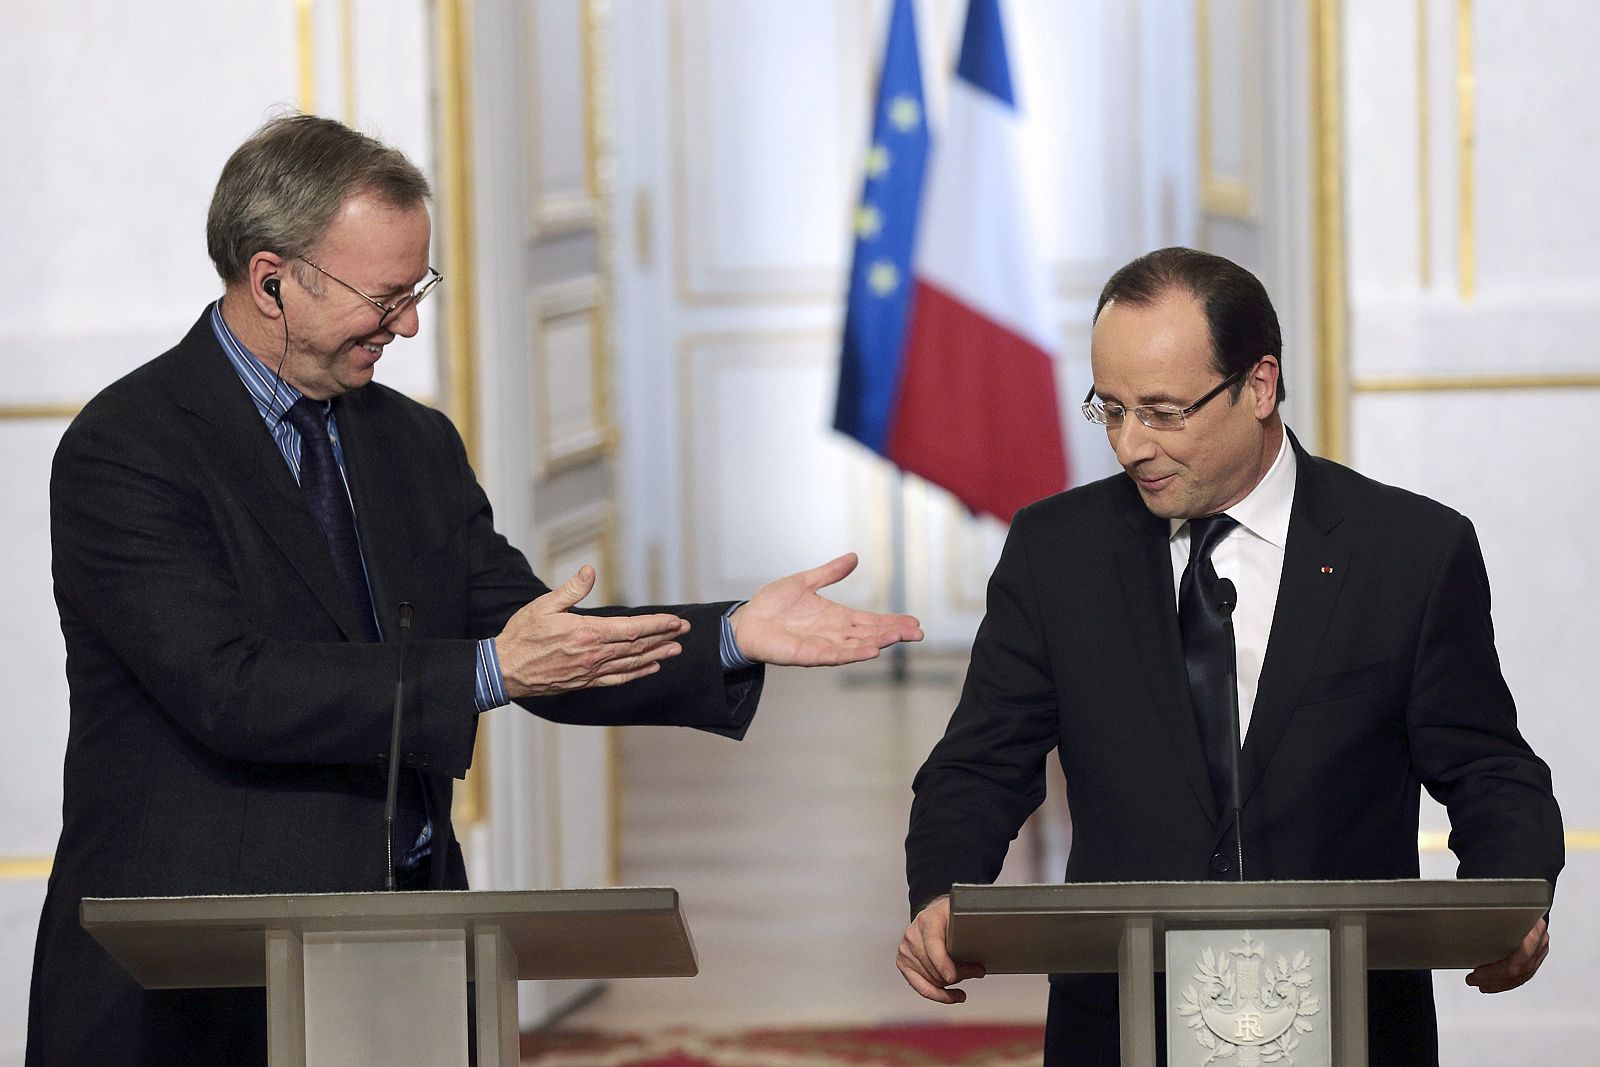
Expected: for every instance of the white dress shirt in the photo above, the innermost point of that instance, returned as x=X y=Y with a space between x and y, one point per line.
x=1250 y=556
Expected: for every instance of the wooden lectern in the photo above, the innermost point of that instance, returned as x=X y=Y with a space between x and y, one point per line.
x=1121 y=926
x=358 y=979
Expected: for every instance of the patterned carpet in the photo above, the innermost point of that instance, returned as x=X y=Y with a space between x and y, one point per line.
x=883 y=1046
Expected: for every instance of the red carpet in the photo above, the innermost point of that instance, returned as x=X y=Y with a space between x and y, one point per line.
x=880 y=1046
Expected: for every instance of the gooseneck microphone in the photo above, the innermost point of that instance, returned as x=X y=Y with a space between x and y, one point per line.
x=1227 y=599
x=393 y=789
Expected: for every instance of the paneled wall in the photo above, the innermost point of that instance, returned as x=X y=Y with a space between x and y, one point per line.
x=1473 y=308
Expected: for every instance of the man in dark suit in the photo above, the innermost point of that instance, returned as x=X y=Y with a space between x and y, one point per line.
x=235 y=525
x=1366 y=665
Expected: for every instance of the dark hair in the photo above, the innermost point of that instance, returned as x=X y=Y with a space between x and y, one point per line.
x=280 y=189
x=1238 y=311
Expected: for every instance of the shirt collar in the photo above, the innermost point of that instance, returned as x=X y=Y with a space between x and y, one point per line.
x=272 y=395
x=1265 y=509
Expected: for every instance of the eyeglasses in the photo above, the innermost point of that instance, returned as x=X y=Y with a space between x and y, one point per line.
x=1155 y=416
x=386 y=311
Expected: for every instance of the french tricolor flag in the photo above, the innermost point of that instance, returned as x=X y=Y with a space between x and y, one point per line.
x=946 y=367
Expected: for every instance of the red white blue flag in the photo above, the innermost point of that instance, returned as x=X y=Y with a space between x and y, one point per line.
x=946 y=367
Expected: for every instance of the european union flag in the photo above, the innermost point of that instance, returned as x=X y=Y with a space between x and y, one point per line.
x=885 y=226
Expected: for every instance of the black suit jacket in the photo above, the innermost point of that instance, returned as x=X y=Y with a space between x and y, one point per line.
x=229 y=726
x=1380 y=678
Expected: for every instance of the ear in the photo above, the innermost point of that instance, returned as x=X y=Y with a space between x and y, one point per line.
x=1263 y=385
x=264 y=265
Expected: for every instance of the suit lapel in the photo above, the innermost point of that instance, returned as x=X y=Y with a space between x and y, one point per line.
x=248 y=463
x=1145 y=573
x=1315 y=565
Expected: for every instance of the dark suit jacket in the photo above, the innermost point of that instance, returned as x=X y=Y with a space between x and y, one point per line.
x=1380 y=676
x=229 y=728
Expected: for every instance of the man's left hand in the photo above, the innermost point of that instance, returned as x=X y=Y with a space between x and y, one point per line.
x=1516 y=968
x=788 y=622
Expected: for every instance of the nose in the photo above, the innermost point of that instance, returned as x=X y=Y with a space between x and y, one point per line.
x=405 y=322
x=1133 y=441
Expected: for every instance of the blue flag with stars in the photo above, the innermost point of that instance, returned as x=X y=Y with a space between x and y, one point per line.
x=879 y=302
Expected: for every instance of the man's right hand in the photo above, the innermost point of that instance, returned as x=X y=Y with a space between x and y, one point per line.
x=545 y=649
x=924 y=961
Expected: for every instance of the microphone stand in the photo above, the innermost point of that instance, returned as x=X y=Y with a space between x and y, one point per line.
x=392 y=793
x=1227 y=598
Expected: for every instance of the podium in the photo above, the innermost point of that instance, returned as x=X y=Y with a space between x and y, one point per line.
x=357 y=979
x=1122 y=927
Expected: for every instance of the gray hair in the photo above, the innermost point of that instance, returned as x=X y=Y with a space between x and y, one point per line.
x=280 y=190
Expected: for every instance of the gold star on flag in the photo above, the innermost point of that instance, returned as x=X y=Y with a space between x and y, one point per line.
x=869 y=220
x=884 y=277
x=905 y=113
x=877 y=161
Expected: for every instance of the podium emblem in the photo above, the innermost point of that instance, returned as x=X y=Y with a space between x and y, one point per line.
x=1251 y=1001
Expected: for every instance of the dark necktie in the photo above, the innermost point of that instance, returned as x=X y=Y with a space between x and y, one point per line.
x=1207 y=652
x=323 y=486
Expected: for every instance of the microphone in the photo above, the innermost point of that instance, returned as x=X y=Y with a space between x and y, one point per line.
x=392 y=793
x=1227 y=600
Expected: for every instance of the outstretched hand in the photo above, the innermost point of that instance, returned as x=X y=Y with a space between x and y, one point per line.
x=789 y=622
x=1516 y=968
x=545 y=649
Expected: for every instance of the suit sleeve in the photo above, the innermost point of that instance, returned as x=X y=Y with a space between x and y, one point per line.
x=1463 y=730
x=986 y=775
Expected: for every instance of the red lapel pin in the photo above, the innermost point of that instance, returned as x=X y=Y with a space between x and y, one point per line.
x=1327 y=569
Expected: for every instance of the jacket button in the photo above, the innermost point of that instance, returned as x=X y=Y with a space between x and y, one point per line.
x=1220 y=862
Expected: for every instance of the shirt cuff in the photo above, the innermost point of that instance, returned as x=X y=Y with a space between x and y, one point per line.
x=732 y=658
x=489 y=687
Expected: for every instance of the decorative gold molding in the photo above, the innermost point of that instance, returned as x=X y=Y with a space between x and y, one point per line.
x=1424 y=155
x=575 y=298
x=1327 y=171
x=565 y=211
x=1226 y=197
x=1441 y=383
x=1580 y=840
x=38 y=412
x=460 y=325
x=1466 y=84
x=304 y=39
x=25 y=868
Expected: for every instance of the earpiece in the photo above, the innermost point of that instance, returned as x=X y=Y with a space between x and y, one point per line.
x=272 y=288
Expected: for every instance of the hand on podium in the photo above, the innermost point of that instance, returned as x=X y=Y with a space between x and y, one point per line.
x=1516 y=968
x=924 y=960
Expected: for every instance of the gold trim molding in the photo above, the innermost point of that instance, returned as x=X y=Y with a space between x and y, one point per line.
x=1577 y=840
x=1424 y=154
x=1327 y=175
x=1424 y=383
x=575 y=298
x=305 y=53
x=1225 y=197
x=25 y=868
x=460 y=326
x=38 y=412
x=1466 y=86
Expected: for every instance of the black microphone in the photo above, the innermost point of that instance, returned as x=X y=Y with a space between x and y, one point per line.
x=394 y=749
x=1227 y=600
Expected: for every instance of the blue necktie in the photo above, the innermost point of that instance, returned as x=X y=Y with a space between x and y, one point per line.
x=1206 y=654
x=323 y=486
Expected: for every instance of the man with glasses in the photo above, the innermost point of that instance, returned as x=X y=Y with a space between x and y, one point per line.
x=1365 y=666
x=242 y=529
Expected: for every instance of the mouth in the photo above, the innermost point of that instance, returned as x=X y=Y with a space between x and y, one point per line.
x=1153 y=484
